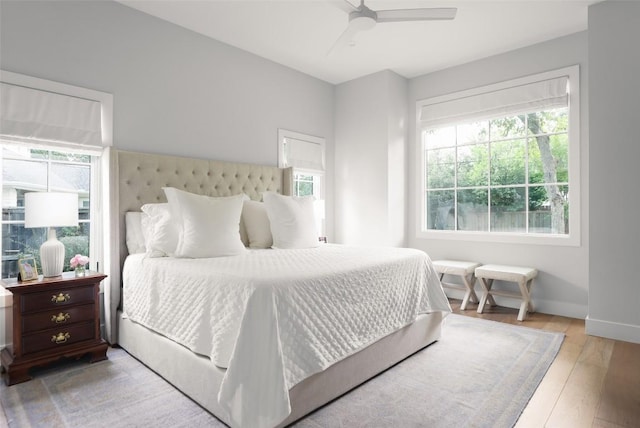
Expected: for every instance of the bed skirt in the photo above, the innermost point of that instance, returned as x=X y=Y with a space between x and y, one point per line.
x=200 y=380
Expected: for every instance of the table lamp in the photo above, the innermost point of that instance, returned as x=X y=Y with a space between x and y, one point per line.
x=50 y=209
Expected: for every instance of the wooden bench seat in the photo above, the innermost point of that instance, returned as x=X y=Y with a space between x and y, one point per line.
x=523 y=276
x=466 y=271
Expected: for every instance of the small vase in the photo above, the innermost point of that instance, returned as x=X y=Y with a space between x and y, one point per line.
x=80 y=271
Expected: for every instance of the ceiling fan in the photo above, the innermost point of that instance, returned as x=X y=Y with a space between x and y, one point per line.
x=361 y=18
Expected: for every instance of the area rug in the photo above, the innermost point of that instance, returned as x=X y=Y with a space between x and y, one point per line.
x=480 y=373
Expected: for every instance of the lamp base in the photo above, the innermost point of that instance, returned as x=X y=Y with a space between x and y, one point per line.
x=52 y=255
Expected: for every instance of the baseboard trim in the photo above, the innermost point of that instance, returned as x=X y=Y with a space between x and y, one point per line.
x=551 y=307
x=613 y=330
x=565 y=309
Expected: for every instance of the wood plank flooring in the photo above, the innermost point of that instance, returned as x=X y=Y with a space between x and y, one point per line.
x=593 y=382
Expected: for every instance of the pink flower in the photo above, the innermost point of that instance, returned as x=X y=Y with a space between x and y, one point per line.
x=78 y=260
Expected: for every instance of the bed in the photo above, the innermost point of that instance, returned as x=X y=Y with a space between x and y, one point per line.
x=251 y=376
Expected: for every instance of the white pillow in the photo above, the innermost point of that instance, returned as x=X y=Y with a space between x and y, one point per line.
x=159 y=229
x=209 y=227
x=292 y=221
x=256 y=223
x=133 y=230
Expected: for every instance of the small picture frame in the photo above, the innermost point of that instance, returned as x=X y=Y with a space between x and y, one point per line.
x=28 y=271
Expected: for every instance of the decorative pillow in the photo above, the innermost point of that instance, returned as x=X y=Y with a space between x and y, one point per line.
x=209 y=227
x=243 y=234
x=256 y=223
x=159 y=229
x=133 y=230
x=292 y=221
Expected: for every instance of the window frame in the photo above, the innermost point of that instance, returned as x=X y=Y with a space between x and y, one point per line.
x=574 y=236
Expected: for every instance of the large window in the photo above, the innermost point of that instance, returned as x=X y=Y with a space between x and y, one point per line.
x=499 y=163
x=27 y=169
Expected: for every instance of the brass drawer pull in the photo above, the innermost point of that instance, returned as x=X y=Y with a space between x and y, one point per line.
x=60 y=298
x=60 y=318
x=60 y=338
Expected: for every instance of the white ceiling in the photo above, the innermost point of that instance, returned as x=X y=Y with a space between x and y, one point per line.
x=300 y=33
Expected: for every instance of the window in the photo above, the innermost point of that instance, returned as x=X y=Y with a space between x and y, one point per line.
x=306 y=155
x=53 y=137
x=27 y=169
x=502 y=162
x=306 y=184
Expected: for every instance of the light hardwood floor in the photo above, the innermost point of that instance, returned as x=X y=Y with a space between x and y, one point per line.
x=593 y=382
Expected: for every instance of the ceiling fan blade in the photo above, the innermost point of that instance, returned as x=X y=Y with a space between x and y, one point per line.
x=345 y=38
x=345 y=5
x=428 y=14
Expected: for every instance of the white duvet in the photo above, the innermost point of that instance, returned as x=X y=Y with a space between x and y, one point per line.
x=275 y=317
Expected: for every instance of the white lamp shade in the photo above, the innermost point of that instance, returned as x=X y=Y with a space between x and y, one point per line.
x=50 y=209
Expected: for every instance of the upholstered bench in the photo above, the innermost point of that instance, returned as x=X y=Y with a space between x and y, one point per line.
x=466 y=271
x=523 y=276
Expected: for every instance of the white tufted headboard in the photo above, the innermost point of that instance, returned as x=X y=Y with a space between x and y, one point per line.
x=138 y=178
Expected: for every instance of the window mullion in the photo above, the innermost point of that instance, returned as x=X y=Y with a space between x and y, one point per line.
x=490 y=145
x=455 y=184
x=526 y=173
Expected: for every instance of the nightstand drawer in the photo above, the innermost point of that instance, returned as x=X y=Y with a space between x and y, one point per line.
x=57 y=338
x=57 y=318
x=55 y=299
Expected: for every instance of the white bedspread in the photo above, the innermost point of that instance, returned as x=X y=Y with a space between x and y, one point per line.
x=275 y=317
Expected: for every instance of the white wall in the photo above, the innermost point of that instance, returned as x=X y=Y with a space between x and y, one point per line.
x=175 y=91
x=397 y=135
x=562 y=285
x=614 y=111
x=370 y=135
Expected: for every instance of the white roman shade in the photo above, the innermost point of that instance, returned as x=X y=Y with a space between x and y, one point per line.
x=551 y=93
x=302 y=154
x=31 y=115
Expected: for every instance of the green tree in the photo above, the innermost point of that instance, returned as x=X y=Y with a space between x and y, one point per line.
x=550 y=172
x=465 y=160
x=540 y=125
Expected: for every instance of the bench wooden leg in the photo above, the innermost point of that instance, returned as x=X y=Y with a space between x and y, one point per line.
x=486 y=287
x=470 y=295
x=525 y=290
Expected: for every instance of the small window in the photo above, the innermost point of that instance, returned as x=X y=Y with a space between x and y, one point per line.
x=306 y=184
x=306 y=155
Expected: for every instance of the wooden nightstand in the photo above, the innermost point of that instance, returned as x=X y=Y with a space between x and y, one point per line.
x=52 y=318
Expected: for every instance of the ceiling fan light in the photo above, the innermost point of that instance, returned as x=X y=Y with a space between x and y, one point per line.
x=362 y=23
